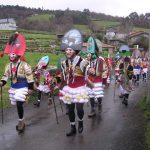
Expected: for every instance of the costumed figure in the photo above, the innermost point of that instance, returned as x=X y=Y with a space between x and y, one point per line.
x=74 y=70
x=144 y=68
x=125 y=79
x=20 y=75
x=136 y=72
x=44 y=80
x=137 y=62
x=136 y=53
x=97 y=76
x=108 y=63
x=118 y=61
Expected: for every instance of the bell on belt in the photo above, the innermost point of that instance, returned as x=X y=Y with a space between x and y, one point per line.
x=14 y=81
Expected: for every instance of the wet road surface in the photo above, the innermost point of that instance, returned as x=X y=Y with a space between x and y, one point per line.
x=116 y=128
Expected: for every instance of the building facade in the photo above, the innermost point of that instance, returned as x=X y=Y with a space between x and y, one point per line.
x=8 y=24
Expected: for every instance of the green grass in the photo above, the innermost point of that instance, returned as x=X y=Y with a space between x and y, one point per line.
x=44 y=17
x=142 y=29
x=36 y=40
x=32 y=59
x=146 y=110
x=83 y=28
x=32 y=31
x=39 y=36
x=105 y=23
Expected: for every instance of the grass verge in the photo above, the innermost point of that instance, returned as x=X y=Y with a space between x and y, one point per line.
x=146 y=109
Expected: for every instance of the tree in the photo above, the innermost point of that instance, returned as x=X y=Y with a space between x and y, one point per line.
x=126 y=25
x=133 y=16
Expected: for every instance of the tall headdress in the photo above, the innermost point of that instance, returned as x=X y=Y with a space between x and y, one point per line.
x=117 y=56
x=43 y=62
x=99 y=45
x=16 y=45
x=92 y=47
x=124 y=50
x=72 y=39
x=136 y=52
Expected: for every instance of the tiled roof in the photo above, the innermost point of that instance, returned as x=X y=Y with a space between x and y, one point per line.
x=7 y=20
x=103 y=45
x=133 y=34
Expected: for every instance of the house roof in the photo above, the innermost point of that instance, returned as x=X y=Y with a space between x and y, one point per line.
x=134 y=34
x=103 y=45
x=8 y=20
x=107 y=46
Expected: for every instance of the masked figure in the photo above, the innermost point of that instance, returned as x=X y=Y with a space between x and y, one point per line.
x=97 y=75
x=44 y=80
x=74 y=69
x=20 y=74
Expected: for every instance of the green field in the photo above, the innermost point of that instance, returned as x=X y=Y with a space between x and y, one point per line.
x=40 y=36
x=84 y=28
x=145 y=107
x=44 y=17
x=32 y=59
x=141 y=29
x=36 y=40
x=105 y=23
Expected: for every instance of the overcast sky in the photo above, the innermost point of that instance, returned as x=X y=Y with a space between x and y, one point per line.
x=111 y=7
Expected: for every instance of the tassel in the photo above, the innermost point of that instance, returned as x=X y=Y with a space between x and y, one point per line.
x=60 y=94
x=22 y=58
x=93 y=56
x=2 y=54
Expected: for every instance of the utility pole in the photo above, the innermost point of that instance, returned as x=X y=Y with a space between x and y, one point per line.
x=148 y=77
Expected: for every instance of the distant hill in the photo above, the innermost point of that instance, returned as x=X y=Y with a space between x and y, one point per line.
x=58 y=21
x=48 y=20
x=42 y=17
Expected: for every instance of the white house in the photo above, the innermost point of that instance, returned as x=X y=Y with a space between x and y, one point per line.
x=8 y=24
x=110 y=33
x=114 y=34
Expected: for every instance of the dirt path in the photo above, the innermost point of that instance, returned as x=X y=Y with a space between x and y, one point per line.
x=116 y=128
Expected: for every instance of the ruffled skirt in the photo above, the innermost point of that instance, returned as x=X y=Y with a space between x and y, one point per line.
x=43 y=88
x=17 y=95
x=74 y=95
x=97 y=91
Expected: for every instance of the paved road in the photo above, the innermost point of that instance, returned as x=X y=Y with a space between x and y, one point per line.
x=116 y=128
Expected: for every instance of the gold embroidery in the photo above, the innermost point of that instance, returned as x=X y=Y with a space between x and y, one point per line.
x=14 y=80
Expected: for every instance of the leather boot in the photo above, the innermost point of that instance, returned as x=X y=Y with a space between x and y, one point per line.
x=121 y=96
x=80 y=126
x=99 y=108
x=125 y=99
x=72 y=131
x=99 y=105
x=37 y=104
x=20 y=126
x=49 y=102
x=92 y=113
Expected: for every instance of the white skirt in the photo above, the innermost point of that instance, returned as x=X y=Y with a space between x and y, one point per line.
x=74 y=95
x=108 y=80
x=17 y=95
x=97 y=91
x=145 y=70
x=43 y=88
x=136 y=71
x=123 y=91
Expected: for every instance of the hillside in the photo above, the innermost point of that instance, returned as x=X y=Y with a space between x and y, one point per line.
x=41 y=27
x=58 y=21
x=52 y=21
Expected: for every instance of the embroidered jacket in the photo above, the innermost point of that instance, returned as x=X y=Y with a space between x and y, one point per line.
x=101 y=69
x=19 y=73
x=75 y=72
